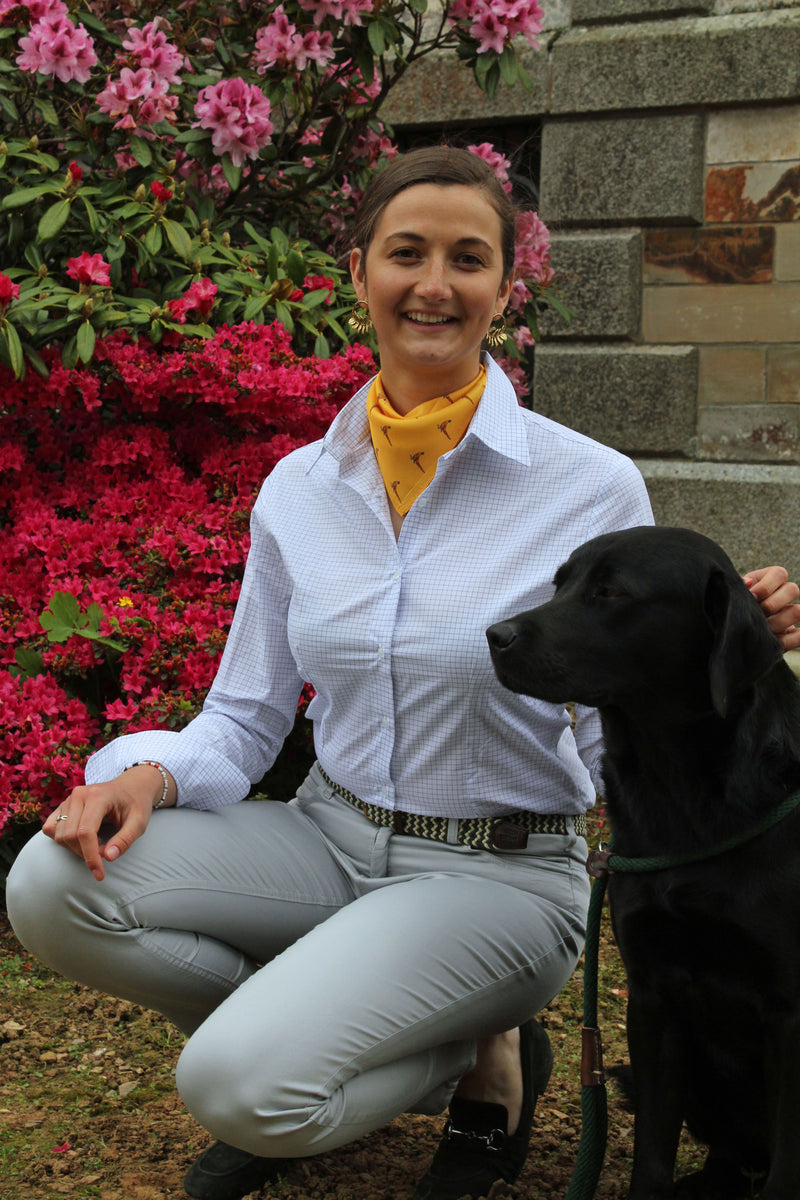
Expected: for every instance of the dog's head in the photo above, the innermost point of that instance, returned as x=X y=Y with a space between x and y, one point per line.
x=636 y=613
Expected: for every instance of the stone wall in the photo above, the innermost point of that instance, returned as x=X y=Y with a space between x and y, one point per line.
x=670 y=181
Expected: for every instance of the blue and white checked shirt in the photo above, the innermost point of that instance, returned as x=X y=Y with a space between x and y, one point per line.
x=408 y=713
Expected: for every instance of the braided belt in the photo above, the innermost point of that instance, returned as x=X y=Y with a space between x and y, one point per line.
x=509 y=832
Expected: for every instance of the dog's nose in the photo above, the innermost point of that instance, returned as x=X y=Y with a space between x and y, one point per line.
x=501 y=635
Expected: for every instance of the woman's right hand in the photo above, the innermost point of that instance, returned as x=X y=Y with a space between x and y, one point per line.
x=124 y=804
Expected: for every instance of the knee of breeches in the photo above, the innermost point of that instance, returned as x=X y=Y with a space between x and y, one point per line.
x=246 y=1101
x=45 y=899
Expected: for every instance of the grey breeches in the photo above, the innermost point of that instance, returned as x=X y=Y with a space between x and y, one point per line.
x=330 y=973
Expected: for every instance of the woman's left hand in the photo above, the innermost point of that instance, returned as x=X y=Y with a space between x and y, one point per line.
x=778 y=597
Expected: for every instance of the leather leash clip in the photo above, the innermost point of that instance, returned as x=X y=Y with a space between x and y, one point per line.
x=597 y=862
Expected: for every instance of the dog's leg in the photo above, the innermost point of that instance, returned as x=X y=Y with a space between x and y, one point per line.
x=656 y=1056
x=783 y=1102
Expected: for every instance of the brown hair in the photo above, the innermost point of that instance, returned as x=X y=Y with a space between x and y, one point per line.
x=443 y=166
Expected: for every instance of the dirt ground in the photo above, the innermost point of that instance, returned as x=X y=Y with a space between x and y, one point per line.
x=88 y=1107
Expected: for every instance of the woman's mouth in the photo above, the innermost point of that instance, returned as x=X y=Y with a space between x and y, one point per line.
x=428 y=319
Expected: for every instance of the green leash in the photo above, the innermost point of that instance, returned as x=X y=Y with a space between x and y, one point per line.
x=594 y=1101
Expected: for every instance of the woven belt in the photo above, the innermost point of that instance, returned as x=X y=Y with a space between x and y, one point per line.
x=509 y=832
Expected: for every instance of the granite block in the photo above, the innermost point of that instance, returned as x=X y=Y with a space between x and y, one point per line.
x=753 y=511
x=440 y=90
x=758 y=192
x=737 y=59
x=599 y=276
x=639 y=399
x=592 y=12
x=622 y=170
x=741 y=254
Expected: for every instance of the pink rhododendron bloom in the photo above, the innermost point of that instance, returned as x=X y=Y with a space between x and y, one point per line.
x=532 y=257
x=54 y=46
x=75 y=171
x=493 y=23
x=279 y=43
x=153 y=51
x=89 y=268
x=346 y=12
x=138 y=98
x=36 y=9
x=237 y=113
x=200 y=295
x=497 y=161
x=8 y=290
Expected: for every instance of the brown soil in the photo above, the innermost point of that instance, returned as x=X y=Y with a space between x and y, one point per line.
x=88 y=1107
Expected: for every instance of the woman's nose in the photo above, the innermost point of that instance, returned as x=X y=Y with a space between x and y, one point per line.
x=433 y=283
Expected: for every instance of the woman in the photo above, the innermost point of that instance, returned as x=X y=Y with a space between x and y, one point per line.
x=387 y=937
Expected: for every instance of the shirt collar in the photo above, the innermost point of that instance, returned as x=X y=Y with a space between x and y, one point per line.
x=498 y=422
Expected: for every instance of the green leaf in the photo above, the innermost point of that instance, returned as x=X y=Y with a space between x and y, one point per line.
x=233 y=175
x=61 y=617
x=283 y=314
x=153 y=239
x=321 y=347
x=13 y=347
x=9 y=109
x=46 y=110
x=91 y=212
x=21 y=197
x=69 y=352
x=295 y=268
x=254 y=306
x=179 y=239
x=508 y=65
x=280 y=240
x=53 y=219
x=85 y=341
x=377 y=41
x=140 y=149
x=30 y=662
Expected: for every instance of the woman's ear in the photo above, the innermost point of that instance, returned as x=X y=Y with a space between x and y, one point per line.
x=358 y=274
x=504 y=295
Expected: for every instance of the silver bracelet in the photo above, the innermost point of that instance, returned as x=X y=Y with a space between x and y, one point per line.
x=146 y=762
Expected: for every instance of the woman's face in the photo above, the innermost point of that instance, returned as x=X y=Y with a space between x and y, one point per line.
x=433 y=280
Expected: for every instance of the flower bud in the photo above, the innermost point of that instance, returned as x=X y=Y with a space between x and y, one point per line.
x=197 y=267
x=3 y=148
x=205 y=237
x=226 y=240
x=88 y=307
x=140 y=193
x=42 y=273
x=172 y=166
x=33 y=144
x=155 y=313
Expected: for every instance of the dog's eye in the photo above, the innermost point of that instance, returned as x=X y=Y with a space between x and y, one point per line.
x=607 y=591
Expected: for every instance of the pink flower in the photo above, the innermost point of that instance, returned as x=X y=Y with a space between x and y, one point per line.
x=237 y=113
x=493 y=23
x=36 y=9
x=138 y=98
x=89 y=268
x=532 y=258
x=8 y=291
x=75 y=171
x=200 y=295
x=153 y=51
x=55 y=46
x=346 y=12
x=497 y=161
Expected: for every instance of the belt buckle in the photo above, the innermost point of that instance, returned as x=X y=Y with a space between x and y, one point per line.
x=507 y=835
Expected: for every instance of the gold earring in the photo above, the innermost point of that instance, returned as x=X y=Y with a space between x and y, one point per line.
x=496 y=334
x=360 y=321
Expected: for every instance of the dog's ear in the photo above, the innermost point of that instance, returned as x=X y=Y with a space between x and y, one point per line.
x=744 y=647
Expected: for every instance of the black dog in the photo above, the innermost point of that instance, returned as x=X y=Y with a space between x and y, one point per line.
x=701 y=720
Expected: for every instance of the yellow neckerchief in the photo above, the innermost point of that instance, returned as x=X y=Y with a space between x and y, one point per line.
x=408 y=446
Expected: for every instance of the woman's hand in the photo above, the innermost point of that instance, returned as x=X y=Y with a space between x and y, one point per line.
x=777 y=596
x=123 y=806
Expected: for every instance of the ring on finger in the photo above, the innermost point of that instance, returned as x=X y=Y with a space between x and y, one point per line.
x=61 y=817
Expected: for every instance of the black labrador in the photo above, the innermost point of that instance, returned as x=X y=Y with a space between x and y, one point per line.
x=701 y=719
